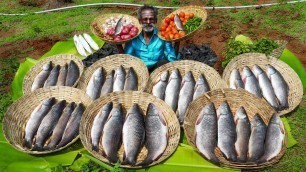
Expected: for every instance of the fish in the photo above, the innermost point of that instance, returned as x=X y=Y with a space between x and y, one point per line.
x=98 y=125
x=60 y=127
x=47 y=125
x=266 y=86
x=35 y=119
x=90 y=41
x=131 y=80
x=108 y=84
x=185 y=96
x=72 y=128
x=226 y=131
x=85 y=44
x=156 y=134
x=280 y=87
x=62 y=76
x=201 y=87
x=42 y=76
x=236 y=80
x=95 y=83
x=112 y=133
x=119 y=79
x=52 y=78
x=243 y=130
x=178 y=23
x=250 y=82
x=257 y=138
x=72 y=74
x=160 y=85
x=206 y=130
x=133 y=134
x=79 y=46
x=118 y=27
x=173 y=89
x=274 y=139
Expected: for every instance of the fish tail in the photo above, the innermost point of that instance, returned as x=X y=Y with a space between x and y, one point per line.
x=27 y=143
x=113 y=158
x=37 y=147
x=95 y=148
x=215 y=159
x=145 y=162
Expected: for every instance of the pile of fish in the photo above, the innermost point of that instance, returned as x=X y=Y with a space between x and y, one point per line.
x=102 y=83
x=179 y=92
x=85 y=44
x=238 y=138
x=111 y=126
x=57 y=75
x=52 y=125
x=269 y=84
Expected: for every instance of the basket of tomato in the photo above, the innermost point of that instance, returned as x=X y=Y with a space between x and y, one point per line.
x=182 y=23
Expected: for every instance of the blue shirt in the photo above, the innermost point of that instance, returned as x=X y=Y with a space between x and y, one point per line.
x=151 y=53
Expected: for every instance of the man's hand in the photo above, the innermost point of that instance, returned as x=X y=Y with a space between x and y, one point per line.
x=176 y=47
x=120 y=48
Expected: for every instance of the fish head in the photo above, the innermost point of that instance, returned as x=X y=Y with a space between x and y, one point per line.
x=175 y=74
x=120 y=71
x=247 y=71
x=188 y=77
x=224 y=108
x=275 y=119
x=98 y=72
x=49 y=102
x=209 y=109
x=257 y=70
x=270 y=70
x=107 y=107
x=47 y=66
x=257 y=121
x=201 y=80
x=164 y=76
x=241 y=114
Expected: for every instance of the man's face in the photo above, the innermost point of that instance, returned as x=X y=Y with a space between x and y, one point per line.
x=147 y=20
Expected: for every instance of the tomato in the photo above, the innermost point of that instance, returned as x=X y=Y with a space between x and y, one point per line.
x=168 y=29
x=171 y=17
x=163 y=28
x=163 y=33
x=182 y=33
x=171 y=36
x=182 y=14
x=176 y=36
x=167 y=20
x=191 y=15
x=174 y=31
x=167 y=37
x=187 y=17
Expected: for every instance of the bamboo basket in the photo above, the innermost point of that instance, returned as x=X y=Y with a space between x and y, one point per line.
x=235 y=99
x=249 y=59
x=60 y=59
x=127 y=99
x=19 y=112
x=276 y=53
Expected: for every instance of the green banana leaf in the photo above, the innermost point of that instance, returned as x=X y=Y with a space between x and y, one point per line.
x=291 y=140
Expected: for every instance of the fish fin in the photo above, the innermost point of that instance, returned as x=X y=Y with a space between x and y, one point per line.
x=145 y=162
x=27 y=143
x=200 y=117
x=95 y=148
x=162 y=119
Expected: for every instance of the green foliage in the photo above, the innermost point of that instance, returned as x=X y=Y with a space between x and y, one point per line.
x=193 y=24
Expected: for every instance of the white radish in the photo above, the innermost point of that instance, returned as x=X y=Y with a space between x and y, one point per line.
x=85 y=44
x=91 y=42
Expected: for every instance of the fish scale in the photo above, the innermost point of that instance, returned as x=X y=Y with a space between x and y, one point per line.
x=108 y=84
x=119 y=79
x=73 y=74
x=250 y=82
x=131 y=80
x=173 y=89
x=62 y=75
x=94 y=86
x=200 y=87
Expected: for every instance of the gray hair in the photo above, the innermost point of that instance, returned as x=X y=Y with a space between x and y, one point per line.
x=145 y=7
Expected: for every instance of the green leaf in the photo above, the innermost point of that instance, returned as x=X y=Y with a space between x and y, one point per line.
x=244 y=39
x=291 y=140
x=77 y=164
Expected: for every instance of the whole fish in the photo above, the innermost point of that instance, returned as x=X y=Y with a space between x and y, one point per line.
x=173 y=89
x=266 y=86
x=119 y=79
x=94 y=86
x=236 y=80
x=108 y=84
x=72 y=74
x=257 y=138
x=206 y=130
x=72 y=128
x=91 y=42
x=133 y=134
x=185 y=96
x=118 y=27
x=178 y=23
x=98 y=125
x=226 y=131
x=62 y=76
x=47 y=125
x=131 y=80
x=85 y=44
x=274 y=139
x=250 y=82
x=35 y=119
x=201 y=87
x=243 y=130
x=60 y=127
x=79 y=46
x=52 y=78
x=42 y=76
x=280 y=87
x=112 y=133
x=160 y=85
x=156 y=134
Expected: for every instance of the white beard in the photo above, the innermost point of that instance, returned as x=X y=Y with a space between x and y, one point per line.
x=147 y=28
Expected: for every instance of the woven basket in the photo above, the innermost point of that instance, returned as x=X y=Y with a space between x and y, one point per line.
x=112 y=63
x=96 y=27
x=60 y=59
x=127 y=99
x=249 y=59
x=18 y=113
x=198 y=11
x=235 y=99
x=276 y=53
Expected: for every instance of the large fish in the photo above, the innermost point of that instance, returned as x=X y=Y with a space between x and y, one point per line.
x=119 y=79
x=42 y=76
x=94 y=86
x=280 y=86
x=243 y=130
x=201 y=87
x=257 y=138
x=250 y=82
x=133 y=134
x=274 y=139
x=159 y=87
x=235 y=79
x=156 y=135
x=98 y=125
x=62 y=76
x=72 y=74
x=226 y=131
x=47 y=125
x=79 y=46
x=112 y=132
x=35 y=119
x=206 y=130
x=185 y=96
x=173 y=89
x=178 y=23
x=131 y=80
x=52 y=78
x=118 y=27
x=91 y=42
x=108 y=84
